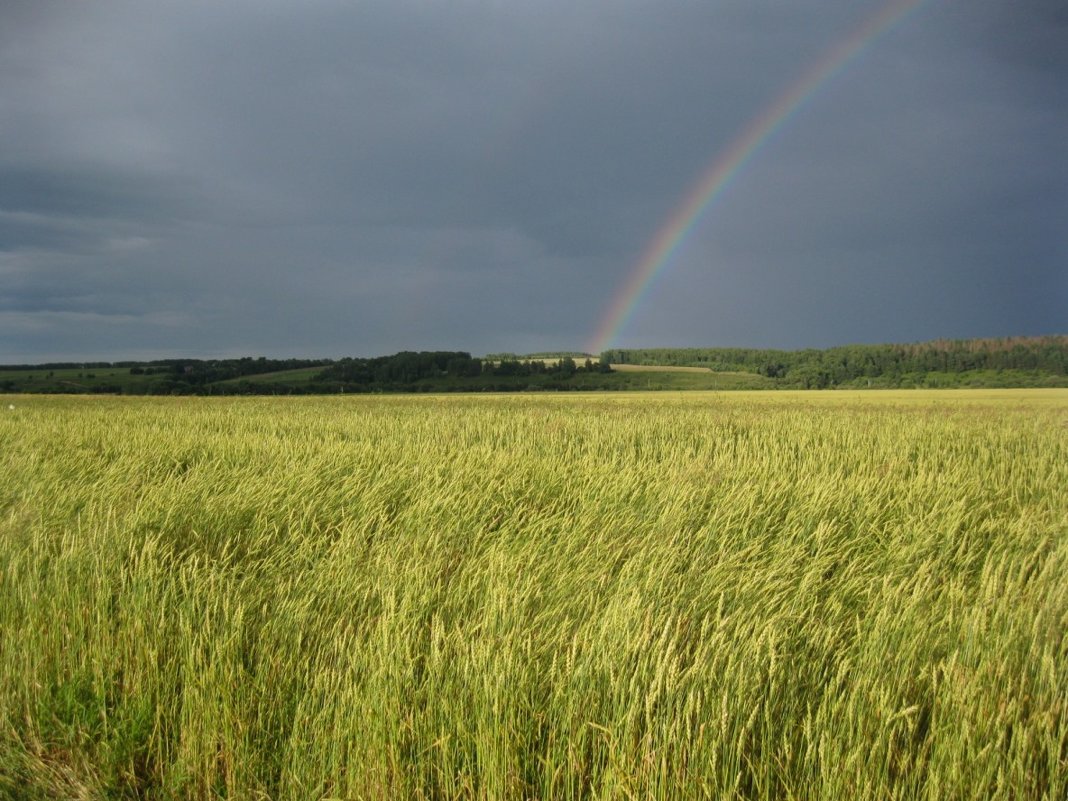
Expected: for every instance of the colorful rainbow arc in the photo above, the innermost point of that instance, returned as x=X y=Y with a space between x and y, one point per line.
x=728 y=164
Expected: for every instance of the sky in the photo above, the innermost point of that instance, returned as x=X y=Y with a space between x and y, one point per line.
x=326 y=178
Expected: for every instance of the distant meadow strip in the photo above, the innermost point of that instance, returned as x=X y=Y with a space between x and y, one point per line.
x=729 y=163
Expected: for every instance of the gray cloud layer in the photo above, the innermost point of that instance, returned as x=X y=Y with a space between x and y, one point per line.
x=327 y=178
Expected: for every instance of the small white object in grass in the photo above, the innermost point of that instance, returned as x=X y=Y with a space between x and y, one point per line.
x=11 y=406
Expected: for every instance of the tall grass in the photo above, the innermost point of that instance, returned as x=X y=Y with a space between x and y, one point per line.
x=709 y=596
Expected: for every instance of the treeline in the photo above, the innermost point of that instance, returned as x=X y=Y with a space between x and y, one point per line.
x=156 y=377
x=206 y=369
x=1012 y=362
x=541 y=355
x=197 y=371
x=201 y=376
x=1032 y=359
x=406 y=370
x=66 y=366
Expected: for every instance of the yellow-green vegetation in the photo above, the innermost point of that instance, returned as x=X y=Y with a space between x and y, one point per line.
x=743 y=595
x=299 y=376
x=640 y=377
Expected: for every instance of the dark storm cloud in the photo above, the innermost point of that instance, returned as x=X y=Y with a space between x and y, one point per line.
x=1032 y=34
x=331 y=178
x=84 y=192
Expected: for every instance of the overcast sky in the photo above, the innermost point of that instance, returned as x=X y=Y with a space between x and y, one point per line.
x=329 y=178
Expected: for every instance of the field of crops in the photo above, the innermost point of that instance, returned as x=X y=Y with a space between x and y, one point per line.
x=759 y=596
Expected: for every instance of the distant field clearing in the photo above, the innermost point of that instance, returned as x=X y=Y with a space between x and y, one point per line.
x=639 y=368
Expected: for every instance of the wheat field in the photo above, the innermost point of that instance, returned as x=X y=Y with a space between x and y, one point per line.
x=736 y=595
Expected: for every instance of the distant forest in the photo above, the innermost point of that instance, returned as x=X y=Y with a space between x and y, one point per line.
x=426 y=371
x=1011 y=362
x=407 y=369
x=1014 y=361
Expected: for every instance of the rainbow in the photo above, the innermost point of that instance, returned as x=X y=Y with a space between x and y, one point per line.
x=727 y=165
